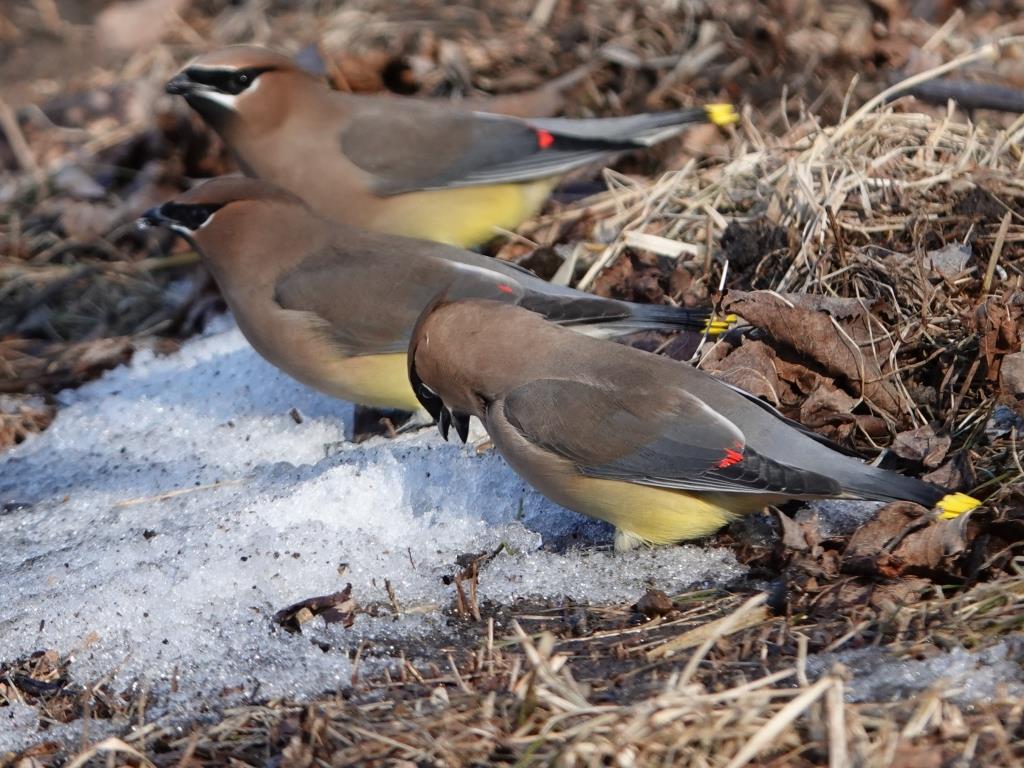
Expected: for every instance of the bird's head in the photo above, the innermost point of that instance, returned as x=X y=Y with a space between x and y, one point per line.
x=445 y=352
x=242 y=85
x=236 y=218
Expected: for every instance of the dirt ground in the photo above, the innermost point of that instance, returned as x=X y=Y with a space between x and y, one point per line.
x=870 y=237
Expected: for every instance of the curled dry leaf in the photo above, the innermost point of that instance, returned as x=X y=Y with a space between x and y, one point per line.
x=922 y=445
x=634 y=276
x=827 y=410
x=796 y=536
x=336 y=608
x=904 y=540
x=839 y=335
x=750 y=367
x=815 y=400
x=1000 y=324
x=956 y=472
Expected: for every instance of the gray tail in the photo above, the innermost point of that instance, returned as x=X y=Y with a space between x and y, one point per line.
x=642 y=130
x=666 y=317
x=609 y=316
x=883 y=485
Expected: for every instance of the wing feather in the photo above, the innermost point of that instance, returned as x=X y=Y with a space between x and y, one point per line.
x=409 y=146
x=661 y=436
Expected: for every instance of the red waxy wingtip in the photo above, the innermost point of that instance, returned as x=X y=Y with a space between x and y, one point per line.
x=731 y=457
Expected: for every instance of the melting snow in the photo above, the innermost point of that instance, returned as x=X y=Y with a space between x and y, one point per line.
x=962 y=676
x=176 y=504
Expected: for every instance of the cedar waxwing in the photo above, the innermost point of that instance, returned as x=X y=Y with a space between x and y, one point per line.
x=334 y=306
x=661 y=450
x=399 y=165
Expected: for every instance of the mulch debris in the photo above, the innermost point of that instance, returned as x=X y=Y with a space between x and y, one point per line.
x=874 y=258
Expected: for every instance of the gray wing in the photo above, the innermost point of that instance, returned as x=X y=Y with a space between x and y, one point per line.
x=357 y=321
x=661 y=436
x=367 y=294
x=367 y=298
x=407 y=145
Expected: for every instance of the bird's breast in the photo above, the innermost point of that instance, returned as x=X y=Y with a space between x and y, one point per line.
x=297 y=344
x=461 y=216
x=654 y=515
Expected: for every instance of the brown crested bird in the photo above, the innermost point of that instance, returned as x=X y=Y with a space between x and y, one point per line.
x=334 y=306
x=663 y=451
x=400 y=165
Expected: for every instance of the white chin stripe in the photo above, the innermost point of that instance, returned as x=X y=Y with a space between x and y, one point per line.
x=224 y=99
x=182 y=230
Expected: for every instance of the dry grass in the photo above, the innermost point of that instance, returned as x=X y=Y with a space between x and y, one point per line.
x=849 y=210
x=529 y=699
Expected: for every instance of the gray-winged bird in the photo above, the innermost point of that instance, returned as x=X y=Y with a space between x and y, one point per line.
x=663 y=451
x=401 y=165
x=334 y=306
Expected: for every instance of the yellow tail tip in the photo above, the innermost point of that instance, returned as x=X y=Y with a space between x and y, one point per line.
x=715 y=326
x=721 y=114
x=955 y=504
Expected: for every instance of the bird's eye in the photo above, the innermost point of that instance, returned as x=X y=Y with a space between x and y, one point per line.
x=240 y=82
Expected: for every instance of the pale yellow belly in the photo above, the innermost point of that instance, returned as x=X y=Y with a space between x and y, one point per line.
x=464 y=216
x=297 y=343
x=640 y=513
x=381 y=381
x=652 y=515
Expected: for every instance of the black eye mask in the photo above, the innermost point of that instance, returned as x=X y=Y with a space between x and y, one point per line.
x=189 y=216
x=230 y=81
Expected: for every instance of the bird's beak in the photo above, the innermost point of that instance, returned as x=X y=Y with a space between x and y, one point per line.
x=151 y=218
x=180 y=85
x=461 y=423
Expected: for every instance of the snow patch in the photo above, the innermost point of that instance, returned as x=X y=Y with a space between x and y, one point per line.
x=962 y=676
x=177 y=503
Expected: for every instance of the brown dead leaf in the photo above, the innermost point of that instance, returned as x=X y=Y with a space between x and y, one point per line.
x=614 y=281
x=839 y=335
x=803 y=381
x=654 y=603
x=336 y=608
x=798 y=537
x=634 y=276
x=903 y=540
x=1011 y=379
x=828 y=410
x=1000 y=324
x=922 y=445
x=881 y=595
x=751 y=368
x=955 y=473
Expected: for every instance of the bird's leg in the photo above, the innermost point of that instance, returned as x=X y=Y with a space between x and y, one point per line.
x=370 y=422
x=478 y=437
x=415 y=422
